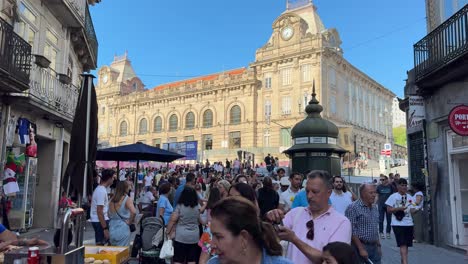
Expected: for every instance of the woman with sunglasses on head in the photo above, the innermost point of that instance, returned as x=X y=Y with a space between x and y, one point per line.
x=309 y=229
x=239 y=236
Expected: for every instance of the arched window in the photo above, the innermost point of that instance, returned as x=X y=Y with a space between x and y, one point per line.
x=123 y=128
x=235 y=115
x=190 y=120
x=173 y=122
x=157 y=124
x=208 y=118
x=143 y=127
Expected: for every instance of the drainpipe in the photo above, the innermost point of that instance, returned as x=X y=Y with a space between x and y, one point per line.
x=5 y=133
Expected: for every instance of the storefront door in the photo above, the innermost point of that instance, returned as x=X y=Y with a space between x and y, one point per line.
x=458 y=163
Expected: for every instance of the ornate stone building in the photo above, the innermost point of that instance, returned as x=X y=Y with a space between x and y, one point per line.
x=252 y=108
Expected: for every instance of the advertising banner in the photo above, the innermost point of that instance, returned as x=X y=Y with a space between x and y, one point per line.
x=416 y=113
x=186 y=148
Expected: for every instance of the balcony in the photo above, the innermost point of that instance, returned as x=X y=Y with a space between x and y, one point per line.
x=15 y=60
x=442 y=55
x=85 y=43
x=70 y=12
x=48 y=96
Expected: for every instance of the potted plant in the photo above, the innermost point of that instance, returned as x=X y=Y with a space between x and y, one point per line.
x=63 y=78
x=42 y=61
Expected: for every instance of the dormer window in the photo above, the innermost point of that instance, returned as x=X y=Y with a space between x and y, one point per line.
x=135 y=86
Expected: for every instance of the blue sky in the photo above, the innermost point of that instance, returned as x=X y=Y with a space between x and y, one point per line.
x=178 y=39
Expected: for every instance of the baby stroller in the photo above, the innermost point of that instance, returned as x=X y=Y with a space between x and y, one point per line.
x=151 y=231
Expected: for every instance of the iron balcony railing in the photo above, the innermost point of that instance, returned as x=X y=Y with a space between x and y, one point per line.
x=91 y=36
x=446 y=43
x=49 y=91
x=15 y=53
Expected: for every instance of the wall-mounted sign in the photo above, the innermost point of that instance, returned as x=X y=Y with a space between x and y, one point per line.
x=318 y=154
x=458 y=120
x=318 y=140
x=332 y=141
x=416 y=112
x=301 y=140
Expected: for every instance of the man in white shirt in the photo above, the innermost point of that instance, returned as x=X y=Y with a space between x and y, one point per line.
x=99 y=207
x=122 y=175
x=340 y=197
x=147 y=199
x=287 y=197
x=148 y=180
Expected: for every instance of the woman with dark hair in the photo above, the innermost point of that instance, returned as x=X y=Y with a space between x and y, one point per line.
x=239 y=236
x=186 y=218
x=244 y=190
x=164 y=207
x=268 y=198
x=339 y=253
x=121 y=214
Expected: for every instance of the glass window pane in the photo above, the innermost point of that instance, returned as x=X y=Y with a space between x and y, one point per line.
x=173 y=122
x=27 y=13
x=143 y=128
x=51 y=37
x=123 y=128
x=157 y=127
x=234 y=139
x=190 y=120
x=208 y=118
x=235 y=115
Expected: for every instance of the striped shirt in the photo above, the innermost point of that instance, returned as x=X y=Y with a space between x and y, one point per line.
x=364 y=221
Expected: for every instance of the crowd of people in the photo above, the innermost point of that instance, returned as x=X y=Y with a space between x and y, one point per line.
x=217 y=216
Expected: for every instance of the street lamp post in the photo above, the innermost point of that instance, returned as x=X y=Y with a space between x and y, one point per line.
x=384 y=117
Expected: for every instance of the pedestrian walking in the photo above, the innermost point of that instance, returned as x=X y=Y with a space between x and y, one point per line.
x=402 y=223
x=184 y=222
x=287 y=197
x=364 y=218
x=164 y=207
x=418 y=216
x=268 y=198
x=100 y=207
x=240 y=237
x=341 y=197
x=309 y=229
x=384 y=190
x=121 y=215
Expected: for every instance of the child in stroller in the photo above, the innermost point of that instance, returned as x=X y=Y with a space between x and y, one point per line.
x=148 y=242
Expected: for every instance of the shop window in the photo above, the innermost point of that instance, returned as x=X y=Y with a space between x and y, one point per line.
x=234 y=140
x=207 y=142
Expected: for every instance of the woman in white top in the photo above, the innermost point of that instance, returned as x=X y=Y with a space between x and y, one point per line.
x=418 y=216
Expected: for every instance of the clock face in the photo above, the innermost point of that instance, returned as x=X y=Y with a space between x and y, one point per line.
x=105 y=78
x=287 y=33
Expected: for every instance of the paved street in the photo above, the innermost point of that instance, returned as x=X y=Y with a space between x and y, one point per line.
x=420 y=253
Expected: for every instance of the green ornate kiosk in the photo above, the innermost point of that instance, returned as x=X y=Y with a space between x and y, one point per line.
x=315 y=142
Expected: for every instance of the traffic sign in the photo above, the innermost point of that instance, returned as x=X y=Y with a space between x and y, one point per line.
x=384 y=152
x=387 y=146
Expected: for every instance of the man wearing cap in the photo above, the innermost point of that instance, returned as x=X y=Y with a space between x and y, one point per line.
x=287 y=197
x=284 y=185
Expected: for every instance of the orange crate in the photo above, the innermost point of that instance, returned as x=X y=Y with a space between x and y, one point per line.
x=118 y=255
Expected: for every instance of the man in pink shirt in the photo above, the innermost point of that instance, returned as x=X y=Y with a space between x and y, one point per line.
x=309 y=229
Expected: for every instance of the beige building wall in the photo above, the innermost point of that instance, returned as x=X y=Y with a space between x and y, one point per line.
x=271 y=93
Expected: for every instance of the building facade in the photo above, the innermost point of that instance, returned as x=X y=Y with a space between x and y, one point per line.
x=437 y=149
x=251 y=109
x=398 y=116
x=50 y=43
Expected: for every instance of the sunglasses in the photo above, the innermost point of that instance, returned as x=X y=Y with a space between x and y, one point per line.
x=310 y=226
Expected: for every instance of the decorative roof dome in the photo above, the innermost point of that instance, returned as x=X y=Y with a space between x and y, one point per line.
x=314 y=124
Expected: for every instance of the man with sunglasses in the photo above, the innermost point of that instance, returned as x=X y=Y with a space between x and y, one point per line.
x=364 y=218
x=384 y=190
x=309 y=229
